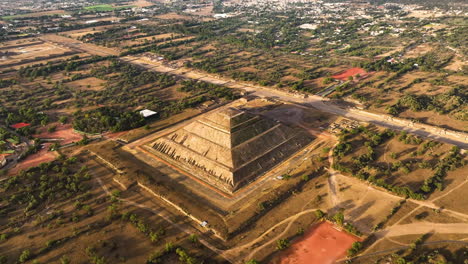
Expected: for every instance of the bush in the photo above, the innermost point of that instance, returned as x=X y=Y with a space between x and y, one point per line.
x=339 y=218
x=319 y=214
x=327 y=80
x=355 y=248
x=193 y=238
x=107 y=119
x=282 y=244
x=25 y=256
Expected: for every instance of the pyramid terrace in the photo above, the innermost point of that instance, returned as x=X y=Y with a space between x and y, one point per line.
x=230 y=147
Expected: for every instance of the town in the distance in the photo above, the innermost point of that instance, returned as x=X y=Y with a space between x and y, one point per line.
x=233 y=131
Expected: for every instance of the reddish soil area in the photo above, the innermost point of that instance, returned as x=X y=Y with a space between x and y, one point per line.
x=322 y=245
x=63 y=132
x=343 y=76
x=43 y=155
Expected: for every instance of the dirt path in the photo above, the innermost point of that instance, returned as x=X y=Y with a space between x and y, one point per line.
x=290 y=220
x=453 y=189
x=79 y=45
x=332 y=179
x=423 y=228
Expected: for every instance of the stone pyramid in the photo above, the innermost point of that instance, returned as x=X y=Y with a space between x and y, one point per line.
x=230 y=147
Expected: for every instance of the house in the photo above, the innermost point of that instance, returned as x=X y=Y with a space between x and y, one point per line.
x=19 y=125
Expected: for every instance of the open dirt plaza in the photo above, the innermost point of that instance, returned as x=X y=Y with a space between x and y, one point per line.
x=36 y=51
x=63 y=134
x=42 y=156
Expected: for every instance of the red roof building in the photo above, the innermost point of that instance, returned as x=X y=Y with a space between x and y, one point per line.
x=20 y=125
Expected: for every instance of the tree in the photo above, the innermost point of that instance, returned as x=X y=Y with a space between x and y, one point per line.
x=65 y=260
x=154 y=236
x=51 y=129
x=193 y=238
x=25 y=256
x=319 y=214
x=339 y=217
x=169 y=247
x=83 y=141
x=63 y=119
x=327 y=80
x=282 y=244
x=355 y=247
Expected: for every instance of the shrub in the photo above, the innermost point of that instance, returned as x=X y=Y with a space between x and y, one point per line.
x=355 y=247
x=339 y=218
x=25 y=256
x=193 y=238
x=319 y=214
x=282 y=244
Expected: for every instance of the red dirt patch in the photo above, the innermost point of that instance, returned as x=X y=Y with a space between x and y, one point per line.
x=321 y=245
x=43 y=155
x=343 y=76
x=63 y=132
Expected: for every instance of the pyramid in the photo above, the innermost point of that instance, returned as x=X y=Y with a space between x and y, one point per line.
x=229 y=147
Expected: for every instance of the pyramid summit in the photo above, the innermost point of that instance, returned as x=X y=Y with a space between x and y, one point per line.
x=229 y=147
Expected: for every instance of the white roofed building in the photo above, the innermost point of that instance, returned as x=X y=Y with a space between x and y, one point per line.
x=147 y=113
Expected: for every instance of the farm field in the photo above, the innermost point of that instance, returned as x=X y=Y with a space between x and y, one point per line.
x=22 y=55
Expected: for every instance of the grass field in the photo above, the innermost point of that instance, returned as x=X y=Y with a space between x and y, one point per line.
x=36 y=14
x=106 y=8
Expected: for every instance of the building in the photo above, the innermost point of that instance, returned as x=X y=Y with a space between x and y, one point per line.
x=230 y=147
x=20 y=125
x=148 y=113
